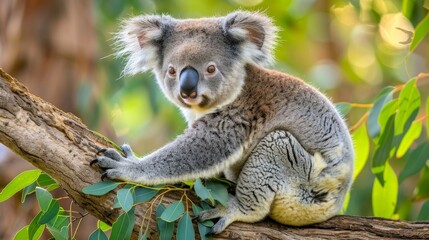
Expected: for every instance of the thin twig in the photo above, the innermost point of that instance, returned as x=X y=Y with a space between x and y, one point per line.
x=361 y=120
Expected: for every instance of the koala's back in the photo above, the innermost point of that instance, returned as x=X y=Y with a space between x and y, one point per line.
x=272 y=100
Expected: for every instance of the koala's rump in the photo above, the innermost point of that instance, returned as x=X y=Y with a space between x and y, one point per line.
x=303 y=202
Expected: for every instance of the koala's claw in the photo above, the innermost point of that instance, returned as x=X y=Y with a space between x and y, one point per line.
x=104 y=176
x=99 y=152
x=93 y=161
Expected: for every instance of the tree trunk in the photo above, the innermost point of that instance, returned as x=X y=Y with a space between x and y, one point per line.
x=62 y=146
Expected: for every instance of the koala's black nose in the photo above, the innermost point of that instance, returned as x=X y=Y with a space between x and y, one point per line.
x=188 y=82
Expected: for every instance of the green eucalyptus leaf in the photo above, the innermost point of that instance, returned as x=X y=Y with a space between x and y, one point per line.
x=424 y=212
x=125 y=198
x=43 y=198
x=361 y=147
x=410 y=136
x=421 y=31
x=189 y=183
x=382 y=98
x=62 y=220
x=384 y=196
x=52 y=187
x=116 y=203
x=59 y=234
x=204 y=230
x=407 y=8
x=173 y=212
x=34 y=226
x=21 y=181
x=408 y=107
x=208 y=223
x=143 y=194
x=205 y=206
x=131 y=215
x=383 y=150
x=397 y=139
x=219 y=192
x=224 y=180
x=28 y=190
x=24 y=235
x=98 y=234
x=165 y=229
x=197 y=211
x=123 y=226
x=45 y=180
x=185 y=229
x=100 y=188
x=51 y=212
x=416 y=161
x=202 y=192
x=388 y=110
x=345 y=203
x=159 y=210
x=103 y=226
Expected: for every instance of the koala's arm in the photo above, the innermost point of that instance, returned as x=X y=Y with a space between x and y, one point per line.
x=202 y=151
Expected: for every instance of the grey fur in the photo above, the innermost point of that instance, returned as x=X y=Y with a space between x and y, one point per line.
x=281 y=140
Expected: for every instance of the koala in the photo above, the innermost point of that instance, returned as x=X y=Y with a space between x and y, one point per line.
x=281 y=140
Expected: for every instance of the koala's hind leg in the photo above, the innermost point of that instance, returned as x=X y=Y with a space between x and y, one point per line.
x=260 y=179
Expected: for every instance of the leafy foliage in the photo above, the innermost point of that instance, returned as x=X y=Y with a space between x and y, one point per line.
x=361 y=141
x=21 y=181
x=395 y=131
x=98 y=234
x=179 y=211
x=385 y=194
x=421 y=31
x=100 y=188
x=51 y=215
x=123 y=226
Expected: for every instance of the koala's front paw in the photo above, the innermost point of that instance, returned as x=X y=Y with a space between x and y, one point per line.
x=114 y=165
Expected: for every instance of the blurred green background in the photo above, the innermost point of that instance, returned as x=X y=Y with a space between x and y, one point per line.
x=350 y=50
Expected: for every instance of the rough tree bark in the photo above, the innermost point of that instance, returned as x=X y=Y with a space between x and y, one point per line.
x=62 y=146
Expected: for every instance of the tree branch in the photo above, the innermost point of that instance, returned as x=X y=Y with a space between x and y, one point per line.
x=62 y=146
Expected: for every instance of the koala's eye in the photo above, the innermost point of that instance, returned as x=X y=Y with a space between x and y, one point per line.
x=211 y=69
x=172 y=71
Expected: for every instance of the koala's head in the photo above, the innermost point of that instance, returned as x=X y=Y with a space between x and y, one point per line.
x=199 y=63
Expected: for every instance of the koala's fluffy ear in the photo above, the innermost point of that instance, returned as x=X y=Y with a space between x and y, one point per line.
x=255 y=32
x=139 y=40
